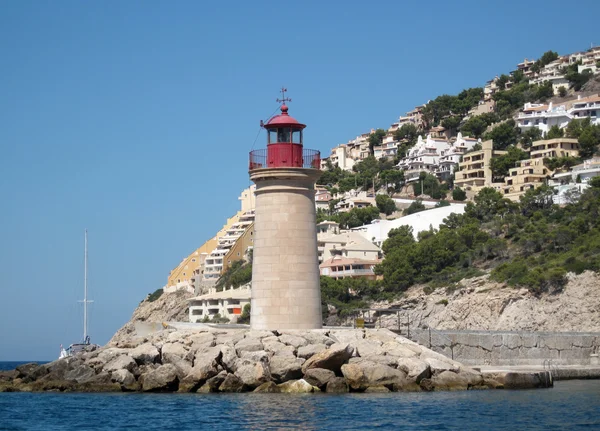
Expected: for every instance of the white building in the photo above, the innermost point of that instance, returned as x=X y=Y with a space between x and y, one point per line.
x=227 y=303
x=576 y=180
x=545 y=116
x=350 y=245
x=388 y=147
x=437 y=156
x=213 y=264
x=377 y=231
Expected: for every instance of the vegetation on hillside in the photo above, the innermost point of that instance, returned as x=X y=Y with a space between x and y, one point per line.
x=238 y=274
x=532 y=243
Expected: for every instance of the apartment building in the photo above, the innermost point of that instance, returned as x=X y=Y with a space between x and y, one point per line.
x=551 y=148
x=228 y=304
x=342 y=267
x=474 y=171
x=346 y=244
x=450 y=158
x=322 y=198
x=574 y=180
x=528 y=174
x=546 y=116
x=220 y=257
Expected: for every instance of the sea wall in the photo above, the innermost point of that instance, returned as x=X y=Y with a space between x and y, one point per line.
x=512 y=348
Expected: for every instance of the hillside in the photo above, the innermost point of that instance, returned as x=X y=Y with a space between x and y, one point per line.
x=485 y=305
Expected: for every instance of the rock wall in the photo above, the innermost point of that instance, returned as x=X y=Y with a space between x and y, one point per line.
x=511 y=348
x=480 y=304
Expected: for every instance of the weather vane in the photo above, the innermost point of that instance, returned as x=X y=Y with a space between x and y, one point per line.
x=283 y=98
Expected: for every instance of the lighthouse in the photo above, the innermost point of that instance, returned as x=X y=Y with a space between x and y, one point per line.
x=286 y=292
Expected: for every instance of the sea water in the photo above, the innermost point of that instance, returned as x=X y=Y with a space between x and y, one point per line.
x=570 y=405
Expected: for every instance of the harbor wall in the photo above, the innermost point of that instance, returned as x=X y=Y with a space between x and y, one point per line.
x=512 y=348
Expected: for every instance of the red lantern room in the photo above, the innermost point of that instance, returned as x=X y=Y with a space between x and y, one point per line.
x=284 y=144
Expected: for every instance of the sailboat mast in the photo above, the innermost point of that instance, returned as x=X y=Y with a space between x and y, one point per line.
x=85 y=300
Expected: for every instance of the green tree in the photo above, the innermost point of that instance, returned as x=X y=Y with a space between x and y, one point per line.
x=529 y=136
x=385 y=204
x=562 y=91
x=544 y=91
x=393 y=179
x=503 y=135
x=375 y=139
x=428 y=184
x=502 y=81
x=415 y=207
x=408 y=132
x=245 y=316
x=476 y=126
x=576 y=127
x=358 y=217
x=589 y=141
x=500 y=165
x=459 y=194
x=555 y=132
x=451 y=123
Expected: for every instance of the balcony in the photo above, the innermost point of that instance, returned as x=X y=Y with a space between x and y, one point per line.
x=285 y=156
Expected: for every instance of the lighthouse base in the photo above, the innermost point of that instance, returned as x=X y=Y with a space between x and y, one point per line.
x=286 y=292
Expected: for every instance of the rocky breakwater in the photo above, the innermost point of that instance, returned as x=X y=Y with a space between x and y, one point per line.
x=237 y=360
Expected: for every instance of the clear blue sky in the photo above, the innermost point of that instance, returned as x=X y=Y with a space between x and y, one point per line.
x=134 y=119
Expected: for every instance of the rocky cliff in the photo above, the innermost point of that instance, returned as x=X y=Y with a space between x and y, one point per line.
x=479 y=303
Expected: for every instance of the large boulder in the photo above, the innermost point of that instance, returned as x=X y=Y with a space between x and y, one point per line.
x=201 y=340
x=390 y=361
x=363 y=374
x=284 y=368
x=365 y=348
x=81 y=374
x=31 y=371
x=439 y=366
x=145 y=354
x=172 y=351
x=449 y=381
x=319 y=377
x=415 y=369
x=162 y=379
x=297 y=387
x=278 y=348
x=228 y=357
x=248 y=344
x=393 y=348
x=213 y=384
x=310 y=350
x=122 y=362
x=330 y=359
x=204 y=368
x=293 y=340
x=252 y=374
x=268 y=388
x=124 y=378
x=231 y=337
x=231 y=383
x=259 y=355
x=337 y=385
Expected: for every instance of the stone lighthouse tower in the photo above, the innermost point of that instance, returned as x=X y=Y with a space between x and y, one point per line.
x=286 y=293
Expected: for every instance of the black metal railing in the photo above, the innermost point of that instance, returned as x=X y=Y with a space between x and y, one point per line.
x=311 y=159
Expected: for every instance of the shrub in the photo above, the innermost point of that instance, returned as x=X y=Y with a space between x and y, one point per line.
x=245 y=317
x=459 y=194
x=155 y=295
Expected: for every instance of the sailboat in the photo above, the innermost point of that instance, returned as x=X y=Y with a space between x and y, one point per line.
x=86 y=345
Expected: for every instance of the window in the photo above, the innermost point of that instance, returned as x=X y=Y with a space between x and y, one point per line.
x=184 y=274
x=272 y=136
x=284 y=134
x=194 y=260
x=238 y=253
x=297 y=136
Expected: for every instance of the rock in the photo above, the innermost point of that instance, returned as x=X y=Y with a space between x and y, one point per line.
x=316 y=337
x=248 y=345
x=229 y=338
x=31 y=371
x=8 y=375
x=415 y=369
x=81 y=374
x=231 y=383
x=347 y=336
x=145 y=353
x=163 y=379
x=390 y=361
x=449 y=381
x=331 y=359
x=377 y=389
x=278 y=348
x=426 y=385
x=368 y=348
x=201 y=341
x=381 y=334
x=123 y=377
x=171 y=351
x=182 y=365
x=258 y=333
x=106 y=355
x=310 y=350
x=216 y=381
x=319 y=377
x=56 y=370
x=257 y=356
x=228 y=357
x=438 y=366
x=392 y=348
x=252 y=374
x=268 y=388
x=364 y=374
x=293 y=340
x=297 y=387
x=285 y=368
x=204 y=368
x=122 y=362
x=337 y=385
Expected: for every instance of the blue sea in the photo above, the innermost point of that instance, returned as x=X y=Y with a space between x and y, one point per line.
x=570 y=405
